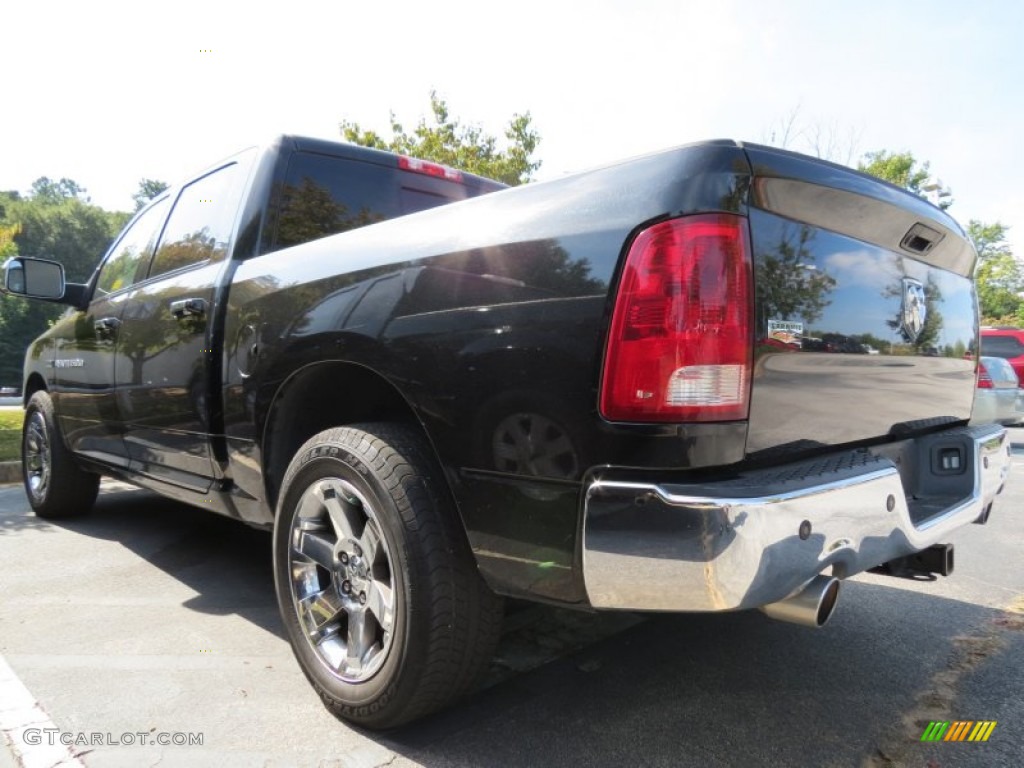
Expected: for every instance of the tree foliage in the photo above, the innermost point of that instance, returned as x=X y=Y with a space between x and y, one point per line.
x=20 y=320
x=54 y=221
x=824 y=139
x=788 y=284
x=148 y=189
x=72 y=232
x=903 y=170
x=999 y=277
x=448 y=141
x=8 y=247
x=47 y=191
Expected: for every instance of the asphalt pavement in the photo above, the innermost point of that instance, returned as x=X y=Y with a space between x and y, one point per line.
x=150 y=621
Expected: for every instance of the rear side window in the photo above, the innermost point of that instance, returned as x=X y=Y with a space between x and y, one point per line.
x=1006 y=347
x=200 y=225
x=131 y=254
x=323 y=195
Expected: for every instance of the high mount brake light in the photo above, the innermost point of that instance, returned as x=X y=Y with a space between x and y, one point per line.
x=430 y=169
x=680 y=347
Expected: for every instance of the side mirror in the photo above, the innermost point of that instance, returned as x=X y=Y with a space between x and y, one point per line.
x=34 y=278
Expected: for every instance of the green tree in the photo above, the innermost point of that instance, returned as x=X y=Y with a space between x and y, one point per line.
x=55 y=221
x=46 y=190
x=148 y=189
x=72 y=232
x=8 y=247
x=999 y=276
x=903 y=170
x=18 y=318
x=446 y=140
x=989 y=240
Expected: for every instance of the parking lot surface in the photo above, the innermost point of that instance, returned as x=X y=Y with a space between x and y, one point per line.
x=149 y=621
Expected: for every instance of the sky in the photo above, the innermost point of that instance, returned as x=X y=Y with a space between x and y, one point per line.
x=107 y=92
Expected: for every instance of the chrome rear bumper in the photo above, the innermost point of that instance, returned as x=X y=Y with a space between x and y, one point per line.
x=760 y=537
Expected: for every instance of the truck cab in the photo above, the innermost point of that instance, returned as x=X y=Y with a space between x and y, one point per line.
x=136 y=371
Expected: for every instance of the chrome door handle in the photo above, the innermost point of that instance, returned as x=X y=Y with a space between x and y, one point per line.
x=188 y=308
x=106 y=327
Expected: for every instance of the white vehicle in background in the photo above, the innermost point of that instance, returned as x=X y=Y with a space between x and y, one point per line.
x=998 y=397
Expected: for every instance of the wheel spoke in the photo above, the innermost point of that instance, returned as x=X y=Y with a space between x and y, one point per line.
x=344 y=515
x=529 y=429
x=319 y=609
x=560 y=446
x=310 y=512
x=370 y=542
x=360 y=640
x=380 y=601
x=507 y=451
x=317 y=547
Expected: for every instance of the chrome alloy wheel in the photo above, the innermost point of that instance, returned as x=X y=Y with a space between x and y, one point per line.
x=38 y=458
x=342 y=581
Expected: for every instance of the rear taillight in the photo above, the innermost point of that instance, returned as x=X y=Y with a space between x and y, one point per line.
x=430 y=169
x=984 y=380
x=680 y=344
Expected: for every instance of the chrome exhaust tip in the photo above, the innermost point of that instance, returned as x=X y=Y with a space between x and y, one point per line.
x=810 y=607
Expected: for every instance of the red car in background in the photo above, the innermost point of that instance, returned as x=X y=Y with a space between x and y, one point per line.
x=1007 y=343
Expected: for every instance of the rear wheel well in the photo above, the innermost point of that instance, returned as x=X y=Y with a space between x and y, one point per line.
x=320 y=397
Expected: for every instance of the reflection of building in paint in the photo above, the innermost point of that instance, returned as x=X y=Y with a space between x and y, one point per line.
x=785 y=331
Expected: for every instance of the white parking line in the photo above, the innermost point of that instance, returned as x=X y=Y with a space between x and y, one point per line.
x=28 y=728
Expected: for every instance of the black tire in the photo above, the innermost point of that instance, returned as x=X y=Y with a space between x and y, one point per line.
x=378 y=590
x=56 y=486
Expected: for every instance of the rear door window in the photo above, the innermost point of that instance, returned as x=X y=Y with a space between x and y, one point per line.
x=323 y=195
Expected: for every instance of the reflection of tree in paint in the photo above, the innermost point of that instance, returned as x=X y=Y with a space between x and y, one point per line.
x=193 y=248
x=788 y=283
x=142 y=339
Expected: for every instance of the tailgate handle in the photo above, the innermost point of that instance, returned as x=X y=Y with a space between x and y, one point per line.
x=921 y=239
x=188 y=308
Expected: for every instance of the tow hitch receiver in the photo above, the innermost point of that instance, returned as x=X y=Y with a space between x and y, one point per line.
x=937 y=559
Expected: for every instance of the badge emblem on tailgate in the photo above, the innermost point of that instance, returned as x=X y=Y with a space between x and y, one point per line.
x=914 y=309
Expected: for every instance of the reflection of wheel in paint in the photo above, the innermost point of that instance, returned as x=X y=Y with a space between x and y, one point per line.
x=532 y=444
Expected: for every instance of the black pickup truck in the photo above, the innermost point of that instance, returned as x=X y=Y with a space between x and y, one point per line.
x=715 y=378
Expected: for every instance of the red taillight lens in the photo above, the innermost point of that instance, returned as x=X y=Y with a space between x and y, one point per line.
x=680 y=345
x=430 y=169
x=984 y=380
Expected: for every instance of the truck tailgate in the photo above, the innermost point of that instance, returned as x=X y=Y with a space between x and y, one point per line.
x=864 y=308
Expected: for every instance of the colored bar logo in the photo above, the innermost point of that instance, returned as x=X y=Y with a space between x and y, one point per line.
x=958 y=730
